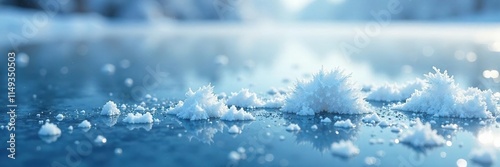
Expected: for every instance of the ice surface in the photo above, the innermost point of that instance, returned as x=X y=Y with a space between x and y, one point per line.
x=345 y=149
x=441 y=96
x=202 y=104
x=483 y=156
x=344 y=124
x=233 y=114
x=110 y=109
x=328 y=91
x=49 y=129
x=421 y=135
x=245 y=98
x=293 y=127
x=138 y=118
x=395 y=92
x=84 y=124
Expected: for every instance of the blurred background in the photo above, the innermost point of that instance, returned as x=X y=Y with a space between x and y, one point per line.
x=89 y=48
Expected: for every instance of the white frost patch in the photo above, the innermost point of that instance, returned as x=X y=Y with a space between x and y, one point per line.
x=344 y=149
x=244 y=98
x=49 y=129
x=293 y=127
x=276 y=101
x=202 y=104
x=314 y=127
x=395 y=92
x=138 y=118
x=234 y=130
x=344 y=124
x=372 y=118
x=110 y=108
x=140 y=108
x=450 y=126
x=329 y=91
x=326 y=120
x=234 y=114
x=100 y=140
x=421 y=135
x=441 y=96
x=483 y=156
x=84 y=124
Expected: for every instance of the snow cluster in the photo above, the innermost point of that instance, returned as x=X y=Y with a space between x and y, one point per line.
x=395 y=92
x=344 y=149
x=276 y=101
x=441 y=96
x=421 y=135
x=328 y=91
x=49 y=129
x=326 y=120
x=204 y=104
x=84 y=124
x=59 y=117
x=138 y=118
x=234 y=114
x=110 y=109
x=245 y=98
x=344 y=124
x=293 y=127
x=371 y=118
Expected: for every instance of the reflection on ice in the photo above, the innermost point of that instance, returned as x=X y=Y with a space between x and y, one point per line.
x=49 y=139
x=147 y=126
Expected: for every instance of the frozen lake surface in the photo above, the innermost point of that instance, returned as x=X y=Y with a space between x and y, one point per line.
x=71 y=73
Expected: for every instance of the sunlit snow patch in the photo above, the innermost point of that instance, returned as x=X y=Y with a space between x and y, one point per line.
x=328 y=91
x=344 y=149
x=49 y=129
x=421 y=135
x=293 y=127
x=138 y=118
x=85 y=124
x=344 y=124
x=441 y=96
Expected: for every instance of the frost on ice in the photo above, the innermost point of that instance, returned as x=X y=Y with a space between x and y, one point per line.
x=395 y=92
x=293 y=127
x=421 y=135
x=345 y=149
x=49 y=129
x=110 y=109
x=233 y=114
x=328 y=91
x=138 y=118
x=371 y=118
x=234 y=130
x=441 y=96
x=244 y=98
x=201 y=104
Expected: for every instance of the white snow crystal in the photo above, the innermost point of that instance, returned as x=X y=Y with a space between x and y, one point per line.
x=344 y=149
x=60 y=117
x=293 y=127
x=49 y=129
x=138 y=118
x=234 y=114
x=395 y=92
x=276 y=101
x=110 y=109
x=326 y=120
x=483 y=156
x=328 y=91
x=244 y=98
x=371 y=118
x=234 y=130
x=344 y=124
x=421 y=135
x=202 y=104
x=84 y=124
x=441 y=96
